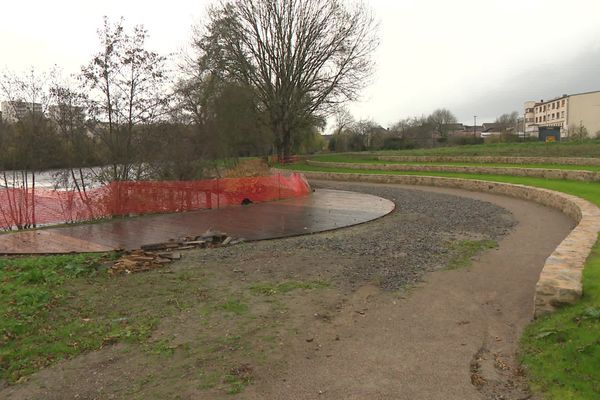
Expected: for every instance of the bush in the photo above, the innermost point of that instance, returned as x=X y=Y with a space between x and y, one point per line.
x=464 y=140
x=503 y=138
x=398 y=143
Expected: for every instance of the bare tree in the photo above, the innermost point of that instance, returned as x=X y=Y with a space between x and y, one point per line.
x=302 y=57
x=79 y=149
x=415 y=130
x=127 y=85
x=343 y=120
x=508 y=121
x=31 y=145
x=441 y=120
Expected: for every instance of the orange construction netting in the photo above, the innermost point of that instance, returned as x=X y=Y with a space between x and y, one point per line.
x=21 y=208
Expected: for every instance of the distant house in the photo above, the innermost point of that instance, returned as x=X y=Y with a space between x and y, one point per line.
x=465 y=130
x=472 y=130
x=492 y=128
x=454 y=129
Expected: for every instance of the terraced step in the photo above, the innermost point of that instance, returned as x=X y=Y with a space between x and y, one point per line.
x=547 y=173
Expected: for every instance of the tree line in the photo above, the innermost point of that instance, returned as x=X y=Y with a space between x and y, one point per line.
x=261 y=80
x=408 y=133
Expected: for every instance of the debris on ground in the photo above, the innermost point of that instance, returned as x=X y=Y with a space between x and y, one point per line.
x=244 y=372
x=138 y=261
x=157 y=255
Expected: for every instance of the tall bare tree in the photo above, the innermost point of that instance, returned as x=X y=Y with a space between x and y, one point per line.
x=343 y=120
x=508 y=121
x=302 y=57
x=127 y=85
x=78 y=147
x=30 y=145
x=441 y=120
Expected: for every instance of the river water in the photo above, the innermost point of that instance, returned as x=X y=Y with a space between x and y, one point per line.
x=51 y=179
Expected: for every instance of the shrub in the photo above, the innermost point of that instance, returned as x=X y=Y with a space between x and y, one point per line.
x=398 y=143
x=464 y=140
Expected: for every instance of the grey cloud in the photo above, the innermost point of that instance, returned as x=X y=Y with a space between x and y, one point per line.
x=576 y=75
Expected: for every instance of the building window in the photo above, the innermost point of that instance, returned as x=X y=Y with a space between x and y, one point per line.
x=563 y=103
x=563 y=114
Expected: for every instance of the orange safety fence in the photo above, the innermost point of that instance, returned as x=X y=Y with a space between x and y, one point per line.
x=20 y=208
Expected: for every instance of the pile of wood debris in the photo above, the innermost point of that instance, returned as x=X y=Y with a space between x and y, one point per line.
x=157 y=255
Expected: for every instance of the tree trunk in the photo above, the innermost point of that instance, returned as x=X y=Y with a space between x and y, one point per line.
x=33 y=199
x=286 y=146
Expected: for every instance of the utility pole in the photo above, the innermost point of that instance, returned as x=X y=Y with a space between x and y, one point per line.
x=474 y=125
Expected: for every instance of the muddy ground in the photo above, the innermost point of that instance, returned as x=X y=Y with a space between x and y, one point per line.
x=369 y=312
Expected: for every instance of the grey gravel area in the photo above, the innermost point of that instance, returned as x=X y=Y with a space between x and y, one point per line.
x=394 y=251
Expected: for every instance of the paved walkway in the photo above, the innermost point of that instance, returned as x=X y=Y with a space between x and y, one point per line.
x=323 y=210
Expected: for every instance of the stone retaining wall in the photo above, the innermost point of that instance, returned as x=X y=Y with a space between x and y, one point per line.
x=560 y=281
x=495 y=159
x=573 y=175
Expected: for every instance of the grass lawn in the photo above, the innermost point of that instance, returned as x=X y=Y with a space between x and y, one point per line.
x=37 y=327
x=58 y=307
x=561 y=352
x=588 y=148
x=371 y=159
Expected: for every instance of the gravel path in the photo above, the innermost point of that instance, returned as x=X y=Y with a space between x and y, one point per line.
x=399 y=249
x=455 y=336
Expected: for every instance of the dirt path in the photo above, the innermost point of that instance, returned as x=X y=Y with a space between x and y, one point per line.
x=454 y=337
x=361 y=336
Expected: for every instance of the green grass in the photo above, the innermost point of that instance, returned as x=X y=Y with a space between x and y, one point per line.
x=370 y=159
x=235 y=306
x=561 y=352
x=37 y=327
x=236 y=383
x=587 y=148
x=589 y=191
x=464 y=250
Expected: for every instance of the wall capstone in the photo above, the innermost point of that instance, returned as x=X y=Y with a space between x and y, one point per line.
x=574 y=175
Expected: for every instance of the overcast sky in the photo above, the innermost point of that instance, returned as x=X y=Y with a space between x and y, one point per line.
x=475 y=57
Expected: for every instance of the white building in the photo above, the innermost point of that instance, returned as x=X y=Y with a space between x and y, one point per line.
x=13 y=111
x=565 y=112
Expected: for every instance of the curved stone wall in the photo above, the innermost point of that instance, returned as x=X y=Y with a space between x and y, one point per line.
x=560 y=281
x=574 y=175
x=495 y=159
